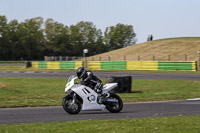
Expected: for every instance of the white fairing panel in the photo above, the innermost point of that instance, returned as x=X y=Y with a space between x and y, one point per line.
x=108 y=87
x=89 y=97
x=70 y=82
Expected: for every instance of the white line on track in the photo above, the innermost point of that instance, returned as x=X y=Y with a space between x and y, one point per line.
x=194 y=99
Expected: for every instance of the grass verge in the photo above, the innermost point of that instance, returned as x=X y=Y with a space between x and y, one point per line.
x=179 y=124
x=19 y=92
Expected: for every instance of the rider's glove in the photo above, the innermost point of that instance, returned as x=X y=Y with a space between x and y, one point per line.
x=82 y=82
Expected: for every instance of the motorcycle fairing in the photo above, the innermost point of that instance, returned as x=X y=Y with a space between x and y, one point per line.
x=85 y=93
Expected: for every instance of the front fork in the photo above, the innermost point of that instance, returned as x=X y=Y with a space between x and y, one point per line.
x=74 y=98
x=70 y=92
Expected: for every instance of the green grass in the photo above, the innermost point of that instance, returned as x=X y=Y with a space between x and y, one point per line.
x=31 y=91
x=11 y=68
x=16 y=92
x=179 y=124
x=160 y=90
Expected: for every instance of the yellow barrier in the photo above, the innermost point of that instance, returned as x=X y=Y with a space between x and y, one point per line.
x=78 y=64
x=142 y=65
x=53 y=65
x=194 y=66
x=94 y=65
x=34 y=64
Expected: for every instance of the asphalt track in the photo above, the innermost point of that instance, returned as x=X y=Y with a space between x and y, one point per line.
x=133 y=110
x=104 y=75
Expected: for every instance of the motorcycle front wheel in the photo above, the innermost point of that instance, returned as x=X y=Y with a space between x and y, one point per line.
x=70 y=106
x=114 y=107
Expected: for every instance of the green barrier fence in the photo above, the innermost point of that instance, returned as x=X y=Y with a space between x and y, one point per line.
x=120 y=65
x=42 y=64
x=113 y=65
x=177 y=65
x=143 y=65
x=67 y=65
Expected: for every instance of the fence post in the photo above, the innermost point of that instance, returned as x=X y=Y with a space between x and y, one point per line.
x=169 y=57
x=153 y=57
x=138 y=58
x=100 y=58
x=125 y=58
x=185 y=57
x=86 y=62
x=45 y=58
x=108 y=58
x=53 y=58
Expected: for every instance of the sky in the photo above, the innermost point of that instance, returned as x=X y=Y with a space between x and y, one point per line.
x=161 y=18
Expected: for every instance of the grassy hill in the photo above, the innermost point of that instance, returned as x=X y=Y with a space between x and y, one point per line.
x=174 y=49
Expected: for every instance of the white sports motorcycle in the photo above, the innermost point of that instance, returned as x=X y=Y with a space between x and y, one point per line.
x=80 y=97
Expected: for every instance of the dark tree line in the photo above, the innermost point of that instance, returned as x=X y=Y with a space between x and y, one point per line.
x=34 y=38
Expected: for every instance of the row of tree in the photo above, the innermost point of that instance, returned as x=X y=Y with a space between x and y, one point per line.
x=33 y=39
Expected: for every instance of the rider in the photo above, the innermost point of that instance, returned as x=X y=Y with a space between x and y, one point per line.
x=89 y=79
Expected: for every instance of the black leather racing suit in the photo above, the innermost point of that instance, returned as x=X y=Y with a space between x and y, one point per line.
x=92 y=81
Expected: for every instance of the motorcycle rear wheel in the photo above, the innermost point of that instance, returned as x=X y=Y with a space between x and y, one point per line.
x=114 y=107
x=69 y=106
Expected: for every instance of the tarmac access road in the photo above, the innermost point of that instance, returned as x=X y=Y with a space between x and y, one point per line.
x=104 y=75
x=131 y=110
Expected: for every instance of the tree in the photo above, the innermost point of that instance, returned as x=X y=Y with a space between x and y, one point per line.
x=118 y=36
x=84 y=35
x=3 y=48
x=31 y=38
x=28 y=40
x=57 y=38
x=12 y=47
x=3 y=23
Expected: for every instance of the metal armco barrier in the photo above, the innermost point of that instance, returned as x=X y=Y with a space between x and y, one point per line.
x=68 y=65
x=113 y=65
x=177 y=65
x=118 y=65
x=94 y=65
x=143 y=65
